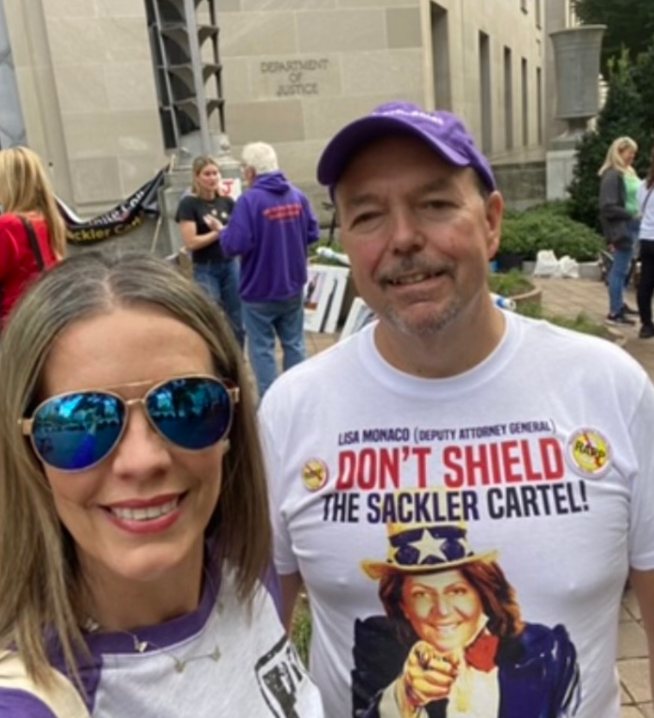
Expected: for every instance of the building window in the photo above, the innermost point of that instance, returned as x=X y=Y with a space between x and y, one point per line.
x=508 y=99
x=571 y=17
x=537 y=14
x=525 y=103
x=485 y=93
x=523 y=5
x=440 y=40
x=539 y=105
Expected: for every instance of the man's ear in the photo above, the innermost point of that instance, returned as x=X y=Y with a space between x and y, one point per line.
x=494 y=214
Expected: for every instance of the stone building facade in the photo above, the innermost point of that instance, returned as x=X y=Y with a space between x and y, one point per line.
x=293 y=72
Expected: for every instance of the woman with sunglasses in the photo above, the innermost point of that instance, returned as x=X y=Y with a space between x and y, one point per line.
x=134 y=531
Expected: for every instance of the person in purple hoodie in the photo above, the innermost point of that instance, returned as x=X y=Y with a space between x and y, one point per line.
x=270 y=228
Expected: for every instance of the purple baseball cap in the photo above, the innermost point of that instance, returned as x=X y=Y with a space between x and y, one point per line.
x=442 y=131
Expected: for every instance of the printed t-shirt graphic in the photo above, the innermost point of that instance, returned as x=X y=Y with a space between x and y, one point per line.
x=453 y=641
x=559 y=489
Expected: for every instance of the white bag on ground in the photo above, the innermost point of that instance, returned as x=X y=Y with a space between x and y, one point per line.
x=547 y=265
x=569 y=267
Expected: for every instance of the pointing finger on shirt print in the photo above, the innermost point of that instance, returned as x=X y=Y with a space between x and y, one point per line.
x=427 y=676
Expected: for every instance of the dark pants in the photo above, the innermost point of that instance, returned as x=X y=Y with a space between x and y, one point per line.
x=646 y=283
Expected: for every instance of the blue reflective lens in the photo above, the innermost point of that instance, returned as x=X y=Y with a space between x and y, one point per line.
x=193 y=412
x=77 y=430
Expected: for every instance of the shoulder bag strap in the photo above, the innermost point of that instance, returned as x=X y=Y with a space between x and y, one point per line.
x=34 y=243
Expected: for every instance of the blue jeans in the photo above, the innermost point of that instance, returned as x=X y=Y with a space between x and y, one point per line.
x=264 y=320
x=220 y=281
x=617 y=278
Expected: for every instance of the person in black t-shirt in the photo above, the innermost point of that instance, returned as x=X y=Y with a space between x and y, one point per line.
x=201 y=216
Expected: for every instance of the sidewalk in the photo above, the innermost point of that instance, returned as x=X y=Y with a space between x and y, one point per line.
x=569 y=297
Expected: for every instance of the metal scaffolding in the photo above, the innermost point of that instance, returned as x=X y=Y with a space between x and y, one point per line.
x=184 y=41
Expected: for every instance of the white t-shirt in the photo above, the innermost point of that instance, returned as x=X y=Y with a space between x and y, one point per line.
x=220 y=660
x=543 y=453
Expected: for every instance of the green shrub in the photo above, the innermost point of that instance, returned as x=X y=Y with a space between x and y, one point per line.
x=545 y=226
x=515 y=282
x=301 y=628
x=581 y=323
x=509 y=284
x=530 y=309
x=548 y=226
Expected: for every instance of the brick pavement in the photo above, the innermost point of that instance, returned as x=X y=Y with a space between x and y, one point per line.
x=572 y=296
x=569 y=297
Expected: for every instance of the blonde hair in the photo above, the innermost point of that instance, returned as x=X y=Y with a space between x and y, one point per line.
x=39 y=581
x=614 y=159
x=199 y=163
x=25 y=187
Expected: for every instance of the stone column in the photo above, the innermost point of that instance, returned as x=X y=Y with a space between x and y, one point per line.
x=577 y=68
x=12 y=125
x=191 y=97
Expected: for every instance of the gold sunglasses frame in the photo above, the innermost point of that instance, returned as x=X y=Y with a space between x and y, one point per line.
x=27 y=423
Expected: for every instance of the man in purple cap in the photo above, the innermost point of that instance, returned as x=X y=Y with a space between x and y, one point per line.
x=448 y=410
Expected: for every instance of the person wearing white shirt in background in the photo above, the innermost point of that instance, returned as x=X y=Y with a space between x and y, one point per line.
x=646 y=239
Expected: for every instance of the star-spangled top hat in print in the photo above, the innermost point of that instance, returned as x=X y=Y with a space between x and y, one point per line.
x=424 y=548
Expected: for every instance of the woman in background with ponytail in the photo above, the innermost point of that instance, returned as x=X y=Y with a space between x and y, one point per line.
x=619 y=217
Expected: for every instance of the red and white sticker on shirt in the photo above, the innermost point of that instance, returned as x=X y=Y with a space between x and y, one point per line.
x=315 y=474
x=589 y=453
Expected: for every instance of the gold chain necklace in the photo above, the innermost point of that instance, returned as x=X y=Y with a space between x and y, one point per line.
x=143 y=646
x=90 y=625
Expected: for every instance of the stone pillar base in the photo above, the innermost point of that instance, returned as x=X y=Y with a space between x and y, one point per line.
x=560 y=168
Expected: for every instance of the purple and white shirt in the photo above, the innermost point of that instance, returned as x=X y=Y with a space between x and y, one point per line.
x=220 y=660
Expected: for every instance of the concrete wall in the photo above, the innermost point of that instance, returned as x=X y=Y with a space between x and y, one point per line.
x=87 y=88
x=522 y=184
x=507 y=26
x=294 y=72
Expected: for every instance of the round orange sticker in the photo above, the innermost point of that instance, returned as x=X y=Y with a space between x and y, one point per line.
x=315 y=474
x=589 y=453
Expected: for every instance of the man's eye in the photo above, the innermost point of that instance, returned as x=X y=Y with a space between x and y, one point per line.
x=364 y=218
x=437 y=204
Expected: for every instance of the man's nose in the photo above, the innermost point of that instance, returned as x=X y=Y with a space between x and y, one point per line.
x=406 y=232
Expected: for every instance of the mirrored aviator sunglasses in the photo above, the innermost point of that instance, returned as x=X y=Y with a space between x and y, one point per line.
x=75 y=431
